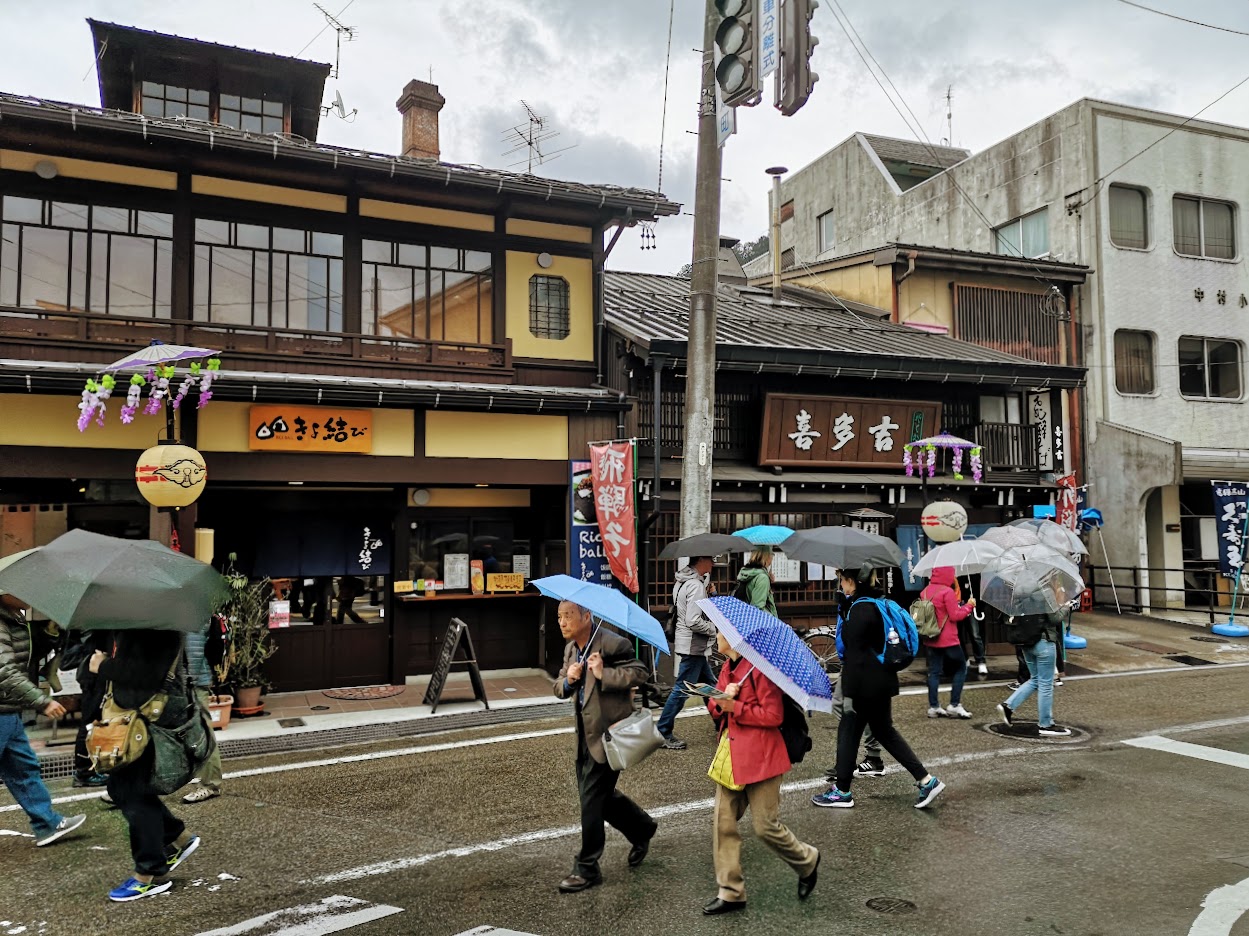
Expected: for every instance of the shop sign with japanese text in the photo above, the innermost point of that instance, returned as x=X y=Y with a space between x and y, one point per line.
x=586 y=560
x=839 y=432
x=611 y=468
x=1231 y=510
x=319 y=429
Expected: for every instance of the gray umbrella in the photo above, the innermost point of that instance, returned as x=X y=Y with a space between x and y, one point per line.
x=842 y=548
x=706 y=544
x=85 y=581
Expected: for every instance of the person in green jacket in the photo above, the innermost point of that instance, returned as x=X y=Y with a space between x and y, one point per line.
x=754 y=582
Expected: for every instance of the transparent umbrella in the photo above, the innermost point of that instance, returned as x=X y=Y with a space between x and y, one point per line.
x=1052 y=534
x=1010 y=537
x=1041 y=583
x=967 y=557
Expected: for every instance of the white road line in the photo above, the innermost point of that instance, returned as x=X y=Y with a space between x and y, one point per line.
x=1221 y=909
x=1185 y=749
x=331 y=915
x=661 y=812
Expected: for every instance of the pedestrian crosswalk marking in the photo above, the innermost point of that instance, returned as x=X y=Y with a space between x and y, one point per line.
x=1185 y=749
x=331 y=915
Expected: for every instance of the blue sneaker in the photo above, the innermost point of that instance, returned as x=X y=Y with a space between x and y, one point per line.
x=928 y=792
x=180 y=855
x=833 y=797
x=133 y=889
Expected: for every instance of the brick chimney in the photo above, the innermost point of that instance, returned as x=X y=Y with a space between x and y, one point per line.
x=419 y=105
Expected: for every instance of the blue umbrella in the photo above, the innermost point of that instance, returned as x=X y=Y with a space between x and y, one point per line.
x=773 y=647
x=608 y=605
x=765 y=534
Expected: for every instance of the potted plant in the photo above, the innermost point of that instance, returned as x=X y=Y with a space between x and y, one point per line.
x=249 y=644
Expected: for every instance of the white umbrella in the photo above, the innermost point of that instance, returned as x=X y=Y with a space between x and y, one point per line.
x=967 y=557
x=1053 y=534
x=1010 y=537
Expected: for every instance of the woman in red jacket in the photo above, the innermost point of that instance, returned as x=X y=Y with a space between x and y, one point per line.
x=946 y=649
x=750 y=718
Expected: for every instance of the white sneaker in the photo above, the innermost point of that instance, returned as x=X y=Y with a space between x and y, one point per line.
x=984 y=669
x=937 y=712
x=200 y=793
x=957 y=711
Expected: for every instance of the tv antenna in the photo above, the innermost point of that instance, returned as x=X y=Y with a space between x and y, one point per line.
x=340 y=31
x=949 y=115
x=532 y=135
x=339 y=109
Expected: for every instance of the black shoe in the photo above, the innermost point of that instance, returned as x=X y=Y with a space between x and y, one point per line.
x=1054 y=731
x=575 y=883
x=807 y=884
x=1006 y=712
x=90 y=780
x=871 y=767
x=637 y=854
x=718 y=906
x=673 y=743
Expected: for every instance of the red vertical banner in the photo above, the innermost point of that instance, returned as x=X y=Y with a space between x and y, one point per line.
x=1065 y=509
x=611 y=472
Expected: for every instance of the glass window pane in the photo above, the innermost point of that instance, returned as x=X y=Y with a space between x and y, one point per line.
x=199 y=285
x=252 y=123
x=285 y=314
x=230 y=102
x=1220 y=232
x=156 y=223
x=1186 y=225
x=1224 y=368
x=78 y=271
x=105 y=218
x=315 y=274
x=175 y=109
x=65 y=214
x=130 y=271
x=231 y=272
x=336 y=296
x=288 y=239
x=9 y=236
x=412 y=255
x=251 y=105
x=260 y=293
x=1192 y=367
x=251 y=235
x=400 y=310
x=328 y=244
x=198 y=112
x=230 y=118
x=23 y=209
x=271 y=124
x=376 y=251
x=459 y=308
x=153 y=89
x=212 y=232
x=45 y=268
x=198 y=97
x=273 y=108
x=175 y=94
x=477 y=261
x=164 y=278
x=153 y=107
x=1127 y=217
x=1134 y=361
x=993 y=409
x=444 y=258
x=1036 y=233
x=99 y=273
x=1008 y=242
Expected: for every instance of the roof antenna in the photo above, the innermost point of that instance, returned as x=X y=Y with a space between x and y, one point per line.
x=531 y=135
x=949 y=115
x=340 y=30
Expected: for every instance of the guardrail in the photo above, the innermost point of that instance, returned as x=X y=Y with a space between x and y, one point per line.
x=1135 y=591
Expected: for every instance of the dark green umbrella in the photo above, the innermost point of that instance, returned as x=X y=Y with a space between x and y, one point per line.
x=85 y=581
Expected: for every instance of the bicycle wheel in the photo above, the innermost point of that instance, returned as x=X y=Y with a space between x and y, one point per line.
x=824 y=646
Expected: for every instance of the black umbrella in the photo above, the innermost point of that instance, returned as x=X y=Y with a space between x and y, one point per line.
x=842 y=548
x=707 y=544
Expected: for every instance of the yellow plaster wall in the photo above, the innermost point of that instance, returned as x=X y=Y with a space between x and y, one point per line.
x=419 y=214
x=223 y=428
x=579 y=345
x=549 y=231
x=16 y=161
x=269 y=194
x=925 y=299
x=499 y=436
x=52 y=421
x=863 y=282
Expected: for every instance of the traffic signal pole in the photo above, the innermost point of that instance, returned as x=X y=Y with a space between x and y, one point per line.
x=700 y=370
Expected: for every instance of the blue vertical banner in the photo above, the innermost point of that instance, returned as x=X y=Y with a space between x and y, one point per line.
x=586 y=557
x=1231 y=507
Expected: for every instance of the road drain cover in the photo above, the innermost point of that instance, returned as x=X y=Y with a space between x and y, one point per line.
x=1189 y=660
x=1217 y=640
x=890 y=905
x=1027 y=731
x=291 y=722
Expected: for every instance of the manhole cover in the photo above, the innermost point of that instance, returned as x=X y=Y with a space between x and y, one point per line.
x=1217 y=640
x=890 y=905
x=291 y=722
x=1189 y=660
x=320 y=708
x=1027 y=731
x=1146 y=645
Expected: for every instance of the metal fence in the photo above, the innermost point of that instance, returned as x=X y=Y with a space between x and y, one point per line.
x=1136 y=587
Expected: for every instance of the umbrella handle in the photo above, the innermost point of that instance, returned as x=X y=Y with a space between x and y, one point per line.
x=975 y=613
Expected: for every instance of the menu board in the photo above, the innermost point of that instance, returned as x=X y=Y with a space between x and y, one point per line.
x=455 y=570
x=520 y=565
x=785 y=570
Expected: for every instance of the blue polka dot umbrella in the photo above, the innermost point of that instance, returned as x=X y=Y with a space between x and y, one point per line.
x=775 y=650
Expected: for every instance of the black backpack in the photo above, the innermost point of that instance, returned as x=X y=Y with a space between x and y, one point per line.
x=794 y=730
x=742 y=591
x=1026 y=629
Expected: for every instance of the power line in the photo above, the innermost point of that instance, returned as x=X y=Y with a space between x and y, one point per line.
x=663 y=120
x=1184 y=19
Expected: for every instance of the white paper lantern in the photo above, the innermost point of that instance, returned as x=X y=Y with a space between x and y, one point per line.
x=170 y=475
x=943 y=521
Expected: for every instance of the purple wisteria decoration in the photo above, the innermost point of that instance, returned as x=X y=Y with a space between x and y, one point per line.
x=921 y=455
x=958 y=463
x=156 y=368
x=906 y=461
x=976 y=471
x=932 y=459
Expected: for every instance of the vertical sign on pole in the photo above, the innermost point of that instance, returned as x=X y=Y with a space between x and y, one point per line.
x=1231 y=516
x=611 y=468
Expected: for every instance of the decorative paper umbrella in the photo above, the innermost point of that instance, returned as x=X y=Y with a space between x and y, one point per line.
x=926 y=450
x=765 y=534
x=156 y=368
x=159 y=354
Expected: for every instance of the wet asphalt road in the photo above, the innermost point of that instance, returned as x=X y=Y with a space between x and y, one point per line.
x=1091 y=837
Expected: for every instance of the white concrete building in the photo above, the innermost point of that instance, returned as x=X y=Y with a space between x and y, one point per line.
x=1156 y=206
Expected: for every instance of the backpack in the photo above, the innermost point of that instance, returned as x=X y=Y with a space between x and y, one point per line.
x=670 y=623
x=901 y=635
x=742 y=591
x=1027 y=629
x=924 y=614
x=794 y=730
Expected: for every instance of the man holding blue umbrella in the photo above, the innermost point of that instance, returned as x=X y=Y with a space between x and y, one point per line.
x=599 y=673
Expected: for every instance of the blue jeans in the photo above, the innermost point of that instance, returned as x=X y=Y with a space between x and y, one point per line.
x=19 y=767
x=1040 y=658
x=692 y=669
x=937 y=657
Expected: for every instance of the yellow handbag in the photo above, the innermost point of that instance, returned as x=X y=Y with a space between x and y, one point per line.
x=721 y=769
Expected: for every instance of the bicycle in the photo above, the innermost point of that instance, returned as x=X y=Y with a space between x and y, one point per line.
x=822 y=641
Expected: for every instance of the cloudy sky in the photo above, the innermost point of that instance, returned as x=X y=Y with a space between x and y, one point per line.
x=595 y=69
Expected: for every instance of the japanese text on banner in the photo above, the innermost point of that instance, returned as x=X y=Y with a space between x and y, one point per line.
x=1231 y=507
x=611 y=468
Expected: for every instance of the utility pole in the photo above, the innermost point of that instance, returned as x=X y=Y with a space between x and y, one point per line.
x=700 y=369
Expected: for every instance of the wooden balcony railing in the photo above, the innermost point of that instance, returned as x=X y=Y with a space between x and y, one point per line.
x=251 y=341
x=1009 y=446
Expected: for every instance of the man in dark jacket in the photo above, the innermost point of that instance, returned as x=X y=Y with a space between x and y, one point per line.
x=599 y=673
x=19 y=767
x=869 y=690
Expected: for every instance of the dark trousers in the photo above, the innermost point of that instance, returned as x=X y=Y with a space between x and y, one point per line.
x=969 y=632
x=693 y=669
x=877 y=713
x=153 y=828
x=601 y=802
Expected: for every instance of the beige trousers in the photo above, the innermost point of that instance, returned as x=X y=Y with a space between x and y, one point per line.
x=764 y=800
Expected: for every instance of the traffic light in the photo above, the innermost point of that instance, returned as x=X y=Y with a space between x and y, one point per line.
x=796 y=78
x=737 y=45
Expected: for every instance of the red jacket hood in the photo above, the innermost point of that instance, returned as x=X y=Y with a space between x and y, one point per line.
x=943 y=575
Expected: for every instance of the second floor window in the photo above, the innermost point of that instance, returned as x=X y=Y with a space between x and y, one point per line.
x=1129 y=219
x=1028 y=236
x=1134 y=361
x=548 y=307
x=162 y=100
x=271 y=277
x=826 y=232
x=427 y=292
x=1203 y=228
x=70 y=257
x=1209 y=368
x=251 y=114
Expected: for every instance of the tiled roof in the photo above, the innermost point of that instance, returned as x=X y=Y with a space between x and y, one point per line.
x=915 y=153
x=653 y=311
